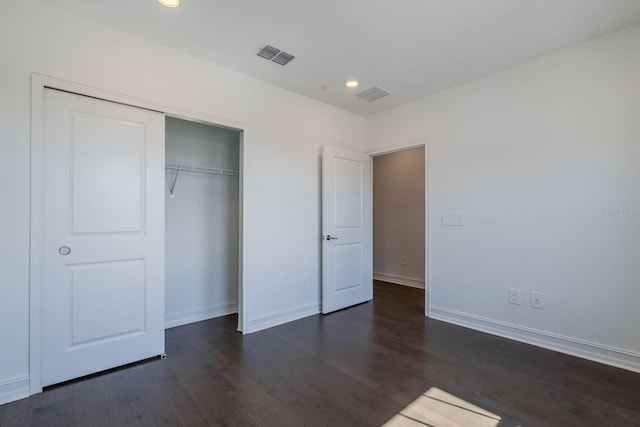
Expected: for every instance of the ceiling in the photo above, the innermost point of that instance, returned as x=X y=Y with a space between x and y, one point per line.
x=411 y=48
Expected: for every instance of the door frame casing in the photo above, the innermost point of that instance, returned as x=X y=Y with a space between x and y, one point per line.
x=39 y=83
x=423 y=143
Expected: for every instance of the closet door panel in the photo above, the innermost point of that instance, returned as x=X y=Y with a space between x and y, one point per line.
x=103 y=236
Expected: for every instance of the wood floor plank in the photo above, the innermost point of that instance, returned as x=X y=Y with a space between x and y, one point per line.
x=167 y=389
x=54 y=408
x=378 y=362
x=135 y=401
x=93 y=400
x=18 y=413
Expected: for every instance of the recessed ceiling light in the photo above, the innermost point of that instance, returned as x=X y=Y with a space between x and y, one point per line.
x=351 y=84
x=170 y=3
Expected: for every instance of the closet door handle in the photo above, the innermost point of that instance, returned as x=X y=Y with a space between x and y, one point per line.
x=330 y=237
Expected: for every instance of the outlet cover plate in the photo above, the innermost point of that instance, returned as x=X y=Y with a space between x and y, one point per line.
x=537 y=300
x=515 y=296
x=453 y=219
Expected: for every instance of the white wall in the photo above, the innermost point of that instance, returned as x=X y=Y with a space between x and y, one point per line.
x=398 y=217
x=541 y=158
x=201 y=222
x=281 y=177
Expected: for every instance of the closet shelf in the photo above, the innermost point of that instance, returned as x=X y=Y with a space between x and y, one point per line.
x=196 y=169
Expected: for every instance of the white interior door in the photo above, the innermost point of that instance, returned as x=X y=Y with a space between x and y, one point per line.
x=103 y=236
x=347 y=251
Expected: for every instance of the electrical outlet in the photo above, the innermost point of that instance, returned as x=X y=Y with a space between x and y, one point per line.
x=515 y=296
x=453 y=218
x=537 y=300
x=303 y=283
x=403 y=260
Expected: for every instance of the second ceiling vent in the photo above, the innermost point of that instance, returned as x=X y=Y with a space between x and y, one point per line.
x=274 y=54
x=372 y=94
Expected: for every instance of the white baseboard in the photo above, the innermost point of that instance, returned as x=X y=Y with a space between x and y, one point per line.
x=279 y=317
x=184 y=317
x=14 y=389
x=601 y=353
x=399 y=280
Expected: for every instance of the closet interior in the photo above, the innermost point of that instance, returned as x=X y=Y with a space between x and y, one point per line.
x=201 y=221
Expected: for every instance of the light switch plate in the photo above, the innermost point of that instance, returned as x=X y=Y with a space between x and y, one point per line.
x=453 y=218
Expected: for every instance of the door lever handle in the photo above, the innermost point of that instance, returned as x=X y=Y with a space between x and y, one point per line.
x=330 y=237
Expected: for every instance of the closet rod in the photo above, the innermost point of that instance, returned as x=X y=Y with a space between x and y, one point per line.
x=201 y=169
x=197 y=169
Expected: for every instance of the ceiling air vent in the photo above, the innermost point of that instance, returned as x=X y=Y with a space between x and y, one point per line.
x=372 y=94
x=283 y=58
x=268 y=52
x=276 y=55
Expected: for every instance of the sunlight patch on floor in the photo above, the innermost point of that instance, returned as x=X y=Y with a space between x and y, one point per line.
x=437 y=408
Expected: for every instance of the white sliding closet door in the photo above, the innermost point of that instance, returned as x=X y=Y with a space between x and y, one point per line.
x=103 y=236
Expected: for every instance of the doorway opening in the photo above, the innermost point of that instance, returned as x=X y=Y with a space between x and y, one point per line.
x=399 y=225
x=202 y=196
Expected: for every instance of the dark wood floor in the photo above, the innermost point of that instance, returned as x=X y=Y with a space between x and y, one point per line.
x=356 y=367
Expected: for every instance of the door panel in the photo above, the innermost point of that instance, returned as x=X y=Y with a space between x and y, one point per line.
x=347 y=252
x=108 y=174
x=348 y=266
x=348 y=193
x=107 y=301
x=103 y=236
